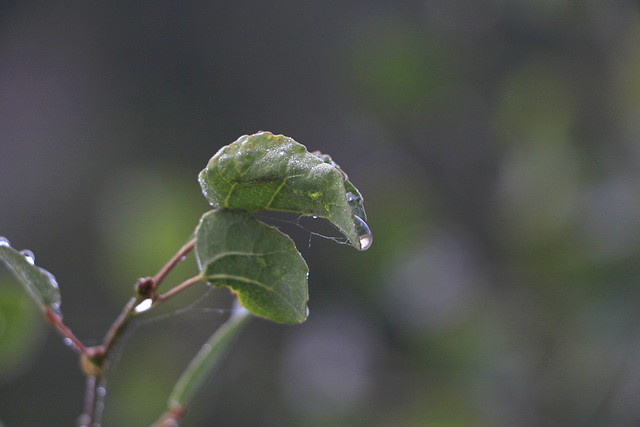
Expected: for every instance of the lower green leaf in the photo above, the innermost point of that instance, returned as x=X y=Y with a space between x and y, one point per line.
x=259 y=263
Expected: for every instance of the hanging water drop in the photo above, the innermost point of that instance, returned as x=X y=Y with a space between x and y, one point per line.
x=144 y=306
x=101 y=391
x=68 y=342
x=29 y=256
x=364 y=234
x=4 y=241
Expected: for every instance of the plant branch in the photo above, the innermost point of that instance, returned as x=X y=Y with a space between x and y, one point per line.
x=86 y=418
x=94 y=358
x=177 y=289
x=119 y=324
x=149 y=286
x=170 y=265
x=56 y=321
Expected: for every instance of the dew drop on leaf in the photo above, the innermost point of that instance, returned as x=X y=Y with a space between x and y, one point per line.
x=364 y=234
x=52 y=278
x=29 y=256
x=4 y=241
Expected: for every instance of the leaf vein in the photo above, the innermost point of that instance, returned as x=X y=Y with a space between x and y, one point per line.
x=275 y=193
x=254 y=282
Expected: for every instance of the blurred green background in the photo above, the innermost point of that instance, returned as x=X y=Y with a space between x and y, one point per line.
x=496 y=145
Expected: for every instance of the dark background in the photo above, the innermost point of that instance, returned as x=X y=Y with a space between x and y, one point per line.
x=495 y=143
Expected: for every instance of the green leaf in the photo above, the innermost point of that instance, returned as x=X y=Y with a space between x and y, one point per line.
x=273 y=172
x=206 y=360
x=256 y=261
x=38 y=282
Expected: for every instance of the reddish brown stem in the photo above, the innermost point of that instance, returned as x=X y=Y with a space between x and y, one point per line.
x=170 y=265
x=56 y=321
x=177 y=289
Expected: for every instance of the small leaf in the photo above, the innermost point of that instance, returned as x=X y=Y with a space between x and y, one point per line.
x=256 y=261
x=273 y=172
x=39 y=283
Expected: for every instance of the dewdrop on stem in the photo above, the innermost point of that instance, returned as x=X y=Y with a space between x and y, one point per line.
x=143 y=306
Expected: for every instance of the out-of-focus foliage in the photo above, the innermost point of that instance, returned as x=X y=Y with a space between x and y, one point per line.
x=20 y=331
x=495 y=142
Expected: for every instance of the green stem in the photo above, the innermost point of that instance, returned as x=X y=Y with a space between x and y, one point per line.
x=202 y=365
x=119 y=325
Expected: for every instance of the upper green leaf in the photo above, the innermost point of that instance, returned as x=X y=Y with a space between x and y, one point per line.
x=256 y=261
x=273 y=172
x=39 y=283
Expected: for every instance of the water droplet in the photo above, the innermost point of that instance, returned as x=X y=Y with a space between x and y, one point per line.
x=4 y=241
x=352 y=197
x=51 y=277
x=144 y=306
x=364 y=234
x=314 y=217
x=29 y=256
x=68 y=342
x=101 y=391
